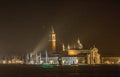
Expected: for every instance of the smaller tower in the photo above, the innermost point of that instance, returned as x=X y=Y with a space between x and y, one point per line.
x=63 y=47
x=79 y=44
x=68 y=47
x=74 y=46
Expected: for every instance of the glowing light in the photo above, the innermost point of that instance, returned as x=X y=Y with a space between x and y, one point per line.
x=4 y=62
x=51 y=62
x=107 y=62
x=63 y=62
x=76 y=61
x=9 y=62
x=63 y=47
x=41 y=62
x=72 y=52
x=32 y=62
x=68 y=47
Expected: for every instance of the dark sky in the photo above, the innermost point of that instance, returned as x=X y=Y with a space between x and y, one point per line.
x=24 y=23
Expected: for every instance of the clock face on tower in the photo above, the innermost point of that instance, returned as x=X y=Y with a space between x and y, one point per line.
x=53 y=37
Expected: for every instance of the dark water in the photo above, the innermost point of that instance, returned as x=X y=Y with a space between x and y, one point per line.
x=60 y=71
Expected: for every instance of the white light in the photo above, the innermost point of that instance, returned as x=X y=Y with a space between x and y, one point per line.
x=32 y=62
x=9 y=62
x=76 y=61
x=63 y=62
x=4 y=62
x=51 y=62
x=41 y=62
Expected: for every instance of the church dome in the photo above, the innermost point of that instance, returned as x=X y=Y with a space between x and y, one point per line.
x=95 y=49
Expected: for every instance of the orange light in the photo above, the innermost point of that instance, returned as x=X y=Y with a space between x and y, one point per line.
x=72 y=52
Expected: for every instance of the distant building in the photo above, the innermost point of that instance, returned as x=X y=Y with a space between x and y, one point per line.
x=63 y=55
x=71 y=54
x=110 y=60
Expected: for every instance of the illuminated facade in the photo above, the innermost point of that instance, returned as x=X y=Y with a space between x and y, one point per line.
x=110 y=60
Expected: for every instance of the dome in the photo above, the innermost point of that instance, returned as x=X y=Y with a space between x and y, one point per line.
x=95 y=49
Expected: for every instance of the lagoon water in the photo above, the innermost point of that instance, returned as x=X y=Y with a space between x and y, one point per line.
x=16 y=70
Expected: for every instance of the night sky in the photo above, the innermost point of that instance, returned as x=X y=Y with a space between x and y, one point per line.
x=24 y=23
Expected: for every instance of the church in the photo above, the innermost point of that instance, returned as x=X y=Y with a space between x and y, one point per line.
x=53 y=52
x=67 y=55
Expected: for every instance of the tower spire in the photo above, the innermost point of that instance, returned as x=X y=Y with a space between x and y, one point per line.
x=52 y=29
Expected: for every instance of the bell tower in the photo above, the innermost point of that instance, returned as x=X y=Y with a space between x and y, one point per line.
x=52 y=40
